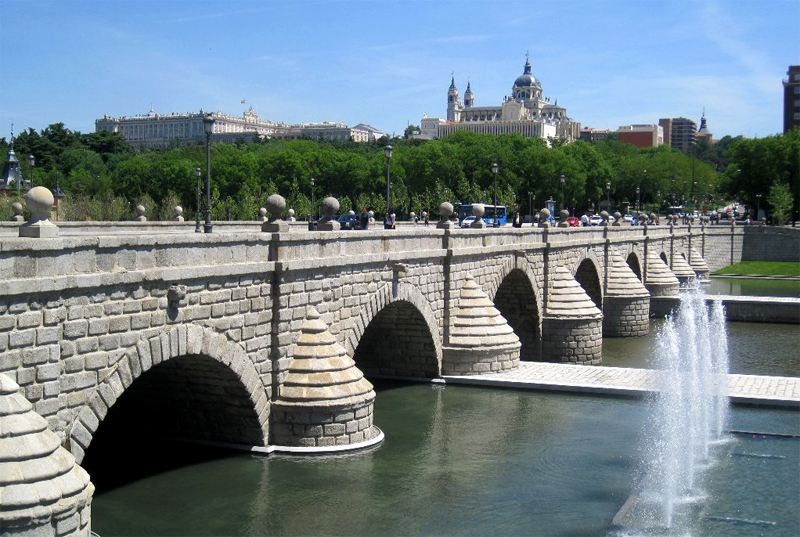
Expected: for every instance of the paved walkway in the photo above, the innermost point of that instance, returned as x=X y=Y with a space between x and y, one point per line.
x=754 y=389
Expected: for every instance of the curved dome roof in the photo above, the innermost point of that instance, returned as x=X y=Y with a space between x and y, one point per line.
x=526 y=79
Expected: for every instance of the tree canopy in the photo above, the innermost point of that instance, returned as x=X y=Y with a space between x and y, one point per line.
x=102 y=166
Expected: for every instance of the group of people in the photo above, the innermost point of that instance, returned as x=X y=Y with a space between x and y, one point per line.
x=390 y=222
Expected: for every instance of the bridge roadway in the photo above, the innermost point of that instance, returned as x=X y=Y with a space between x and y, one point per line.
x=748 y=389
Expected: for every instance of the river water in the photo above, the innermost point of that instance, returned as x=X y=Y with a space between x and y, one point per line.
x=465 y=461
x=753 y=287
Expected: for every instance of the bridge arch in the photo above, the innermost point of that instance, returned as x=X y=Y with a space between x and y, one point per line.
x=634 y=262
x=517 y=298
x=587 y=274
x=187 y=381
x=397 y=335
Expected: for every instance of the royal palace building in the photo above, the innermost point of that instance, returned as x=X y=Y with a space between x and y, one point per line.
x=154 y=131
x=525 y=111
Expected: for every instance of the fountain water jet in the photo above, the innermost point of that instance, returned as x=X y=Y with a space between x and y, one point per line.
x=688 y=415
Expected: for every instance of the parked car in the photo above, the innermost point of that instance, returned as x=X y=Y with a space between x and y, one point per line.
x=467 y=222
x=573 y=222
x=627 y=218
x=349 y=221
x=596 y=220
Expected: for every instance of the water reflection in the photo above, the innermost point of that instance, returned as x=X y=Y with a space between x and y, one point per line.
x=754 y=349
x=753 y=287
x=456 y=460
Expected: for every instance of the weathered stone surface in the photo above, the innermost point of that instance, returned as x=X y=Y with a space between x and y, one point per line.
x=42 y=490
x=660 y=281
x=481 y=339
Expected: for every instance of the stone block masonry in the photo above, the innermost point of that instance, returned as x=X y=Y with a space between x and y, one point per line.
x=84 y=319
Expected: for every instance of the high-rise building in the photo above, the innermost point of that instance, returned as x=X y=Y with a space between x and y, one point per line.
x=679 y=131
x=791 y=98
x=525 y=111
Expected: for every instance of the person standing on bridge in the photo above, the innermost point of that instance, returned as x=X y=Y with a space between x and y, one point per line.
x=364 y=218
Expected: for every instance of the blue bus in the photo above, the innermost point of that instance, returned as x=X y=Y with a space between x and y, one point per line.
x=492 y=213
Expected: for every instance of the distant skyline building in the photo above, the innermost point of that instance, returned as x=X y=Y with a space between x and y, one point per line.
x=680 y=131
x=791 y=99
x=158 y=131
x=588 y=134
x=525 y=111
x=641 y=135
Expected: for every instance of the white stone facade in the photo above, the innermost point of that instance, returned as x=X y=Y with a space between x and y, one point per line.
x=526 y=111
x=156 y=131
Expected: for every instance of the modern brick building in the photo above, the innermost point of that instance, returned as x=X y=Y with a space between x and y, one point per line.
x=791 y=98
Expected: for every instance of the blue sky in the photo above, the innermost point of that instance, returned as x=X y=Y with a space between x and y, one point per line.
x=609 y=62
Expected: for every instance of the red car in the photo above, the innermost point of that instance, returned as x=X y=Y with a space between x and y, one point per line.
x=573 y=221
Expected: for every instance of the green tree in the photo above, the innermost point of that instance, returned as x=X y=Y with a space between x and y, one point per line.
x=781 y=199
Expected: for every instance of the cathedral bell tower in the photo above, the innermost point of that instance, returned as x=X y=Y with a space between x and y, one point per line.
x=454 y=106
x=469 y=99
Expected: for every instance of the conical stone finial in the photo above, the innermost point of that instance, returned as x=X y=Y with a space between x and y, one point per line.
x=626 y=305
x=481 y=340
x=682 y=270
x=324 y=400
x=43 y=492
x=572 y=325
x=698 y=264
x=660 y=280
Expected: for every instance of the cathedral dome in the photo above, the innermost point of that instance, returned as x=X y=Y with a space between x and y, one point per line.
x=526 y=79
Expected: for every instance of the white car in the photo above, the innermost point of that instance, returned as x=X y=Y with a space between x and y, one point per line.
x=627 y=218
x=467 y=222
x=596 y=220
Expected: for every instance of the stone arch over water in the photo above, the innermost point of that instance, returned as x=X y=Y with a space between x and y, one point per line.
x=516 y=300
x=187 y=382
x=397 y=335
x=635 y=264
x=588 y=276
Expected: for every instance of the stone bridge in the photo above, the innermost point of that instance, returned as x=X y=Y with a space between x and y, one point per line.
x=219 y=337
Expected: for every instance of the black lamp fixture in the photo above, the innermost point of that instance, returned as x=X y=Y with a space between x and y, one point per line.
x=208 y=127
x=32 y=164
x=197 y=172
x=58 y=195
x=313 y=201
x=495 y=169
x=387 y=152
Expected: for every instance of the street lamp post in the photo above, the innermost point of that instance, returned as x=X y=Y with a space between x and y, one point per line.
x=313 y=203
x=638 y=203
x=197 y=172
x=58 y=194
x=563 y=180
x=495 y=167
x=32 y=163
x=530 y=206
x=608 y=197
x=758 y=207
x=387 y=152
x=208 y=127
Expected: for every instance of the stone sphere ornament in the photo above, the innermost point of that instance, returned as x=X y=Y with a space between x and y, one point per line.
x=544 y=217
x=446 y=210
x=275 y=206
x=140 y=210
x=39 y=200
x=17 y=208
x=478 y=210
x=329 y=207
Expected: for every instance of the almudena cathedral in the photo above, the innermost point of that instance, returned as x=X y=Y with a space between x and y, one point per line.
x=525 y=111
